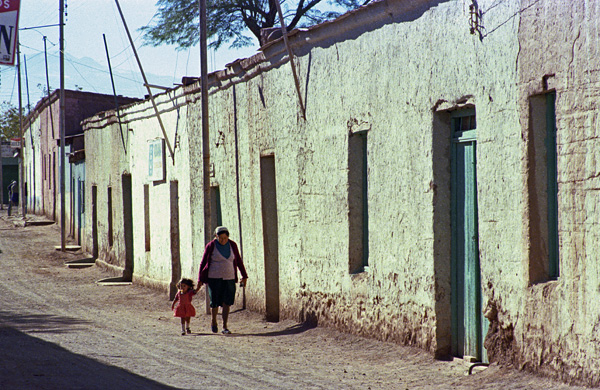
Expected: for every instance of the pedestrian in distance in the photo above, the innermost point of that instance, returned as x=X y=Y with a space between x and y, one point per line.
x=182 y=304
x=219 y=271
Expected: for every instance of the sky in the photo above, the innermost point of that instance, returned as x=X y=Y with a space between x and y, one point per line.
x=86 y=65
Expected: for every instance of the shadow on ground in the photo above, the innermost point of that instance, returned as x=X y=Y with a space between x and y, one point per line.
x=27 y=362
x=40 y=323
x=291 y=330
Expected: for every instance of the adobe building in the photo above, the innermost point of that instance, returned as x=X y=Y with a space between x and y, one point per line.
x=439 y=190
x=138 y=184
x=41 y=153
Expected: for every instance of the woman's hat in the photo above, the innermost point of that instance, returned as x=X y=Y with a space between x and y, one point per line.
x=221 y=229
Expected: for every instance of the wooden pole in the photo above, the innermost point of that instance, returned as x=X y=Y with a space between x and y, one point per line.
x=162 y=127
x=112 y=81
x=291 y=57
x=32 y=183
x=63 y=238
x=27 y=84
x=205 y=133
x=22 y=152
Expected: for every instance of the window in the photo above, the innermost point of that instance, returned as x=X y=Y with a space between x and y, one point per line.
x=215 y=206
x=110 y=217
x=543 y=189
x=147 y=216
x=358 y=206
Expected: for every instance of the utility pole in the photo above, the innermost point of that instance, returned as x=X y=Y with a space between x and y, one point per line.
x=21 y=151
x=146 y=84
x=27 y=84
x=62 y=124
x=32 y=183
x=205 y=132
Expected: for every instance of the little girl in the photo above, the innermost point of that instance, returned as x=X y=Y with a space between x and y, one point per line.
x=184 y=307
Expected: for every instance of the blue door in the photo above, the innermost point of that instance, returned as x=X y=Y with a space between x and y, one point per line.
x=468 y=324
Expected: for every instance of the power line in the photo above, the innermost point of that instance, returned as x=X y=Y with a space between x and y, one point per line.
x=79 y=63
x=84 y=79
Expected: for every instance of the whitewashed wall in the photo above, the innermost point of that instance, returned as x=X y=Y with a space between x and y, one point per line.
x=33 y=166
x=392 y=69
x=107 y=159
x=386 y=68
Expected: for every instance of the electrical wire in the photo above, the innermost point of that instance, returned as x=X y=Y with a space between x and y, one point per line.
x=135 y=40
x=126 y=45
x=175 y=68
x=50 y=12
x=520 y=11
x=12 y=92
x=83 y=77
x=78 y=63
x=188 y=61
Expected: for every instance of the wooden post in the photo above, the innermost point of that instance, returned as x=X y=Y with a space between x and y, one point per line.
x=205 y=133
x=22 y=162
x=291 y=57
x=162 y=127
x=61 y=125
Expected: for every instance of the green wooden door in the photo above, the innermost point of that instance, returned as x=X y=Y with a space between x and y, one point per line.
x=468 y=324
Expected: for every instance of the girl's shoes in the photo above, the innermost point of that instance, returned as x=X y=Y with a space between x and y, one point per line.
x=226 y=331
x=188 y=330
x=214 y=328
x=183 y=333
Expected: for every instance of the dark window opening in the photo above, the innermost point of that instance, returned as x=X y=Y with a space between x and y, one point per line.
x=543 y=189
x=110 y=217
x=147 y=216
x=358 y=206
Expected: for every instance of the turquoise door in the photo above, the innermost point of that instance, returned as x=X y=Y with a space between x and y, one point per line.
x=468 y=324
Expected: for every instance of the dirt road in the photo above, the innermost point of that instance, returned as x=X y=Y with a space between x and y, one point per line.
x=61 y=330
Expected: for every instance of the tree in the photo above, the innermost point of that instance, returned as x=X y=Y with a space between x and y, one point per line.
x=9 y=121
x=229 y=20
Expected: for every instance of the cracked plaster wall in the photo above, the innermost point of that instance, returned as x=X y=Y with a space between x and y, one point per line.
x=387 y=76
x=556 y=326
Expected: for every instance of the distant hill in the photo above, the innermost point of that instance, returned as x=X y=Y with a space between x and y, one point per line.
x=80 y=74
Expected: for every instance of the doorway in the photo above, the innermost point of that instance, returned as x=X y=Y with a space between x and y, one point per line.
x=95 y=221
x=175 y=239
x=270 y=236
x=468 y=323
x=127 y=226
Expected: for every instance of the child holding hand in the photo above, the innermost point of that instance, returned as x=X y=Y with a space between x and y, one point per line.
x=182 y=304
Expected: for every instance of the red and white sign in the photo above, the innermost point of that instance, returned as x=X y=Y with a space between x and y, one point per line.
x=9 y=26
x=15 y=143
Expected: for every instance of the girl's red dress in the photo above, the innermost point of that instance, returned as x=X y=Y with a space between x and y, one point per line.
x=184 y=306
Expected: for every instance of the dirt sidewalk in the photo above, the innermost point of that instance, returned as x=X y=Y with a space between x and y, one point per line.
x=61 y=330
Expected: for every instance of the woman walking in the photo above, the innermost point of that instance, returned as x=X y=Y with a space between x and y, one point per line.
x=219 y=270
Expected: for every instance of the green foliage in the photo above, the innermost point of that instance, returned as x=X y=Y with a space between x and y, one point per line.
x=229 y=20
x=9 y=121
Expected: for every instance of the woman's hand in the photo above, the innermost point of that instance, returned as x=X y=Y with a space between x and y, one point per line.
x=243 y=282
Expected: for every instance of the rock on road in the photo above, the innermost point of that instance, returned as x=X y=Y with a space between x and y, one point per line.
x=61 y=330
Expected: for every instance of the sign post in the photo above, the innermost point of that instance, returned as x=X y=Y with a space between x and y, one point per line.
x=9 y=26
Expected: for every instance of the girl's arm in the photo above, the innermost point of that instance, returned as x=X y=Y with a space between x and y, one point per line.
x=175 y=301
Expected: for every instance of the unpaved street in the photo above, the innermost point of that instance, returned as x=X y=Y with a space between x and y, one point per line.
x=61 y=330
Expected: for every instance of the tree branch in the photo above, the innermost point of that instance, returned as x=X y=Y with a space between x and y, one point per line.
x=300 y=11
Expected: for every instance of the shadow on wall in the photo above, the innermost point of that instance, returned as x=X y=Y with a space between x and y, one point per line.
x=27 y=362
